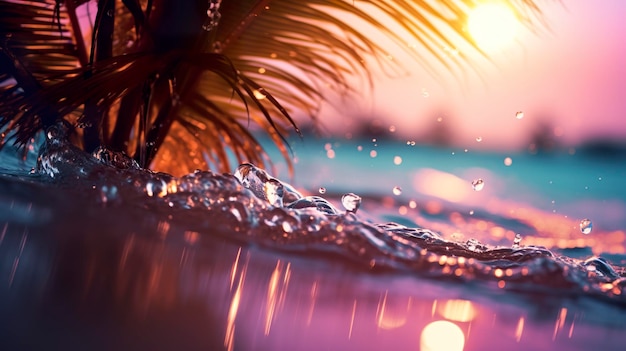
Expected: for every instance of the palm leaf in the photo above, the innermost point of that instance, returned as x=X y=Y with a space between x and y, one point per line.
x=153 y=83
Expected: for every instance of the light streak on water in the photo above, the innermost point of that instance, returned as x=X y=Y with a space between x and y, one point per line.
x=229 y=338
x=233 y=270
x=458 y=310
x=16 y=262
x=560 y=321
x=276 y=293
x=314 y=293
x=519 y=329
x=352 y=320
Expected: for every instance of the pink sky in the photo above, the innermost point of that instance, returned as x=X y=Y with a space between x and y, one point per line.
x=573 y=75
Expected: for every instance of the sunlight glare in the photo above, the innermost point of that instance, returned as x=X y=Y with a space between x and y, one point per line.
x=492 y=25
x=442 y=336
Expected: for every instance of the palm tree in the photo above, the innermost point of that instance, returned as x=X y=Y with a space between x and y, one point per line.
x=176 y=84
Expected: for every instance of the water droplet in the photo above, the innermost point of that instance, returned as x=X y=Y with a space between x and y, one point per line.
x=508 y=161
x=479 y=139
x=478 y=184
x=397 y=160
x=397 y=190
x=519 y=114
x=322 y=190
x=351 y=202
x=373 y=153
x=471 y=212
x=261 y=70
x=586 y=226
x=517 y=240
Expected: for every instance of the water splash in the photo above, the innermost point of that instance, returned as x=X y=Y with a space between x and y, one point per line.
x=600 y=267
x=252 y=206
x=517 y=240
x=475 y=246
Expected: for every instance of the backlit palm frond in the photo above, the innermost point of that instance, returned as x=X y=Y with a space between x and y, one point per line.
x=178 y=87
x=37 y=51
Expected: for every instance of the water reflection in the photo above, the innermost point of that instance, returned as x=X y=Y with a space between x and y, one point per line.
x=120 y=278
x=442 y=336
x=161 y=287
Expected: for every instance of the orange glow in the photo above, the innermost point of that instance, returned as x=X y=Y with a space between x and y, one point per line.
x=458 y=310
x=498 y=273
x=391 y=316
x=560 y=321
x=492 y=25
x=433 y=207
x=276 y=292
x=191 y=237
x=520 y=329
x=440 y=184
x=229 y=338
x=234 y=269
x=442 y=336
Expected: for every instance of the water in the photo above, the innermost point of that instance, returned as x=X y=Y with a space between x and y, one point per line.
x=97 y=253
x=478 y=184
x=586 y=226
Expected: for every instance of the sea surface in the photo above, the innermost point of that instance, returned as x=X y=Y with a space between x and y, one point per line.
x=370 y=245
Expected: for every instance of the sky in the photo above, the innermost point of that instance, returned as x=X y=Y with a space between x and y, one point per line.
x=571 y=77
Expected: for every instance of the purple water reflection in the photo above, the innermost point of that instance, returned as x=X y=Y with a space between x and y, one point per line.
x=120 y=279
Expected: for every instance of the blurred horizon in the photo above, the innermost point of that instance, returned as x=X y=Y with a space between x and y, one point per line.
x=566 y=80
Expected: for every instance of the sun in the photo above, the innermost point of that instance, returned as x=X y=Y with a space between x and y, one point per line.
x=492 y=25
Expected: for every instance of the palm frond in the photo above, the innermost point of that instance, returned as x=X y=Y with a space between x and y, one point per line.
x=152 y=82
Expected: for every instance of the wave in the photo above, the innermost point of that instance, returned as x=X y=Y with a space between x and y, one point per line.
x=252 y=207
